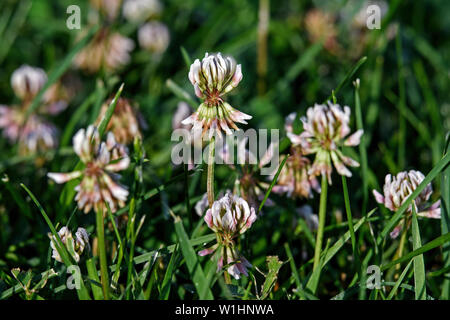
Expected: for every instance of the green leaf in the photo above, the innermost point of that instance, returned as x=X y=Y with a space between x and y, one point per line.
x=274 y=180
x=195 y=270
x=94 y=279
x=427 y=247
x=66 y=258
x=399 y=281
x=167 y=282
x=419 y=264
x=109 y=112
x=347 y=78
x=445 y=219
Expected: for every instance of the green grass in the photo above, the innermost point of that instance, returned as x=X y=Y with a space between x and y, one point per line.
x=148 y=249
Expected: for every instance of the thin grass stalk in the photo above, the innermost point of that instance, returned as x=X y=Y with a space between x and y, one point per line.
x=402 y=102
x=349 y=218
x=102 y=253
x=320 y=230
x=263 y=28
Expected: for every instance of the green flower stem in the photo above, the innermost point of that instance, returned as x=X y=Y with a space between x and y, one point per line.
x=322 y=212
x=210 y=180
x=102 y=254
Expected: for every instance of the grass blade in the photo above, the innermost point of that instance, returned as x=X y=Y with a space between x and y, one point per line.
x=399 y=281
x=195 y=270
x=419 y=264
x=65 y=256
x=445 y=220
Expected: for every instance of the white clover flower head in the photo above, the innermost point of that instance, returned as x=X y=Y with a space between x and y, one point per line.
x=75 y=246
x=26 y=81
x=154 y=37
x=326 y=128
x=140 y=10
x=229 y=217
x=108 y=50
x=109 y=8
x=37 y=136
x=117 y=51
x=212 y=78
x=99 y=177
x=396 y=191
x=11 y=120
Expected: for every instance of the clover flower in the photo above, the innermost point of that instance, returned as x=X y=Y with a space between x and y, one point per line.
x=99 y=177
x=154 y=37
x=37 y=136
x=108 y=49
x=33 y=133
x=320 y=27
x=140 y=10
x=295 y=178
x=124 y=122
x=26 y=81
x=212 y=78
x=325 y=130
x=107 y=8
x=74 y=246
x=229 y=217
x=398 y=188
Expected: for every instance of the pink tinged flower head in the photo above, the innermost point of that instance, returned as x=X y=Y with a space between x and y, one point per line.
x=75 y=246
x=154 y=37
x=212 y=78
x=124 y=123
x=27 y=81
x=11 y=120
x=230 y=216
x=108 y=50
x=99 y=177
x=396 y=191
x=37 y=136
x=326 y=130
x=295 y=179
x=140 y=10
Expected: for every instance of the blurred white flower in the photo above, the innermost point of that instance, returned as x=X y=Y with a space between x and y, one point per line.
x=154 y=37
x=108 y=50
x=26 y=81
x=140 y=10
